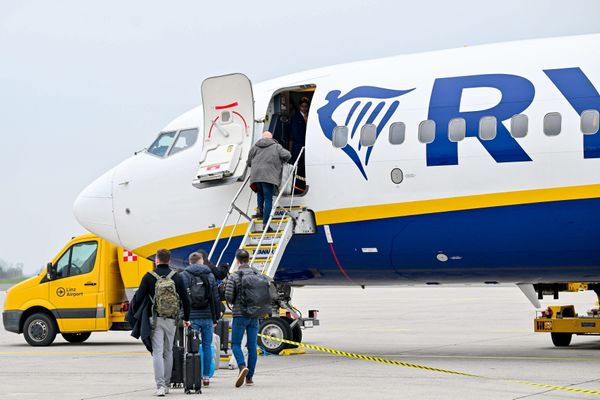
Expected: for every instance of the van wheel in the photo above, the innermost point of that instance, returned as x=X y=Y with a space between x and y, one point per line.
x=39 y=330
x=274 y=327
x=79 y=337
x=561 y=339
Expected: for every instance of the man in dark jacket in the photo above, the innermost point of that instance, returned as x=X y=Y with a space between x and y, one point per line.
x=163 y=328
x=298 y=127
x=266 y=160
x=242 y=324
x=203 y=319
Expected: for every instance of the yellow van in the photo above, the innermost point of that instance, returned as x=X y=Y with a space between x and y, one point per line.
x=84 y=289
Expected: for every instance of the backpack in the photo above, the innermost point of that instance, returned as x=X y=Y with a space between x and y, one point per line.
x=199 y=291
x=255 y=294
x=166 y=299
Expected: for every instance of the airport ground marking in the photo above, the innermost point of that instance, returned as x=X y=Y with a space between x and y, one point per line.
x=427 y=368
x=72 y=353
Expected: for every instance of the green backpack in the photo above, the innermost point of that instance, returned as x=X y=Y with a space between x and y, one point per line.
x=166 y=299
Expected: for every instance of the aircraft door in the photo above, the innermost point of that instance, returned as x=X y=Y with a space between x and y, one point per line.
x=228 y=105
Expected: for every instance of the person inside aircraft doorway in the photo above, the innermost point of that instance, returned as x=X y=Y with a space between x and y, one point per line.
x=266 y=162
x=298 y=138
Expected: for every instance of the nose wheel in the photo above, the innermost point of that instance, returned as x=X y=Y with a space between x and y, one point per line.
x=278 y=328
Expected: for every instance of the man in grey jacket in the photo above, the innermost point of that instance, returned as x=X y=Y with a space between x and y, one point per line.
x=266 y=160
x=204 y=318
x=242 y=324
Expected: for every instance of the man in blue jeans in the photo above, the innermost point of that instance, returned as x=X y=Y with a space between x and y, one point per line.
x=242 y=324
x=205 y=306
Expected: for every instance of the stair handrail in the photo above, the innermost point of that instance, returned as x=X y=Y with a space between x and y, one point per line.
x=288 y=213
x=232 y=206
x=274 y=208
x=233 y=232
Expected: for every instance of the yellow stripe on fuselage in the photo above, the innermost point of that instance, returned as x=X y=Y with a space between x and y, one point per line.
x=381 y=211
x=421 y=207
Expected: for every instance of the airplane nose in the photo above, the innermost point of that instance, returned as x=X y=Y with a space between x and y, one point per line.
x=93 y=208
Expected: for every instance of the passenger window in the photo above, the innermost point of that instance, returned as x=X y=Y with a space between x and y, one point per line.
x=368 y=135
x=552 y=124
x=162 y=144
x=427 y=131
x=487 y=128
x=519 y=126
x=186 y=138
x=457 y=129
x=590 y=122
x=397 y=132
x=79 y=259
x=340 y=136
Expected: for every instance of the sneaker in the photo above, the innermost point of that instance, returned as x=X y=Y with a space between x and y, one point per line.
x=240 y=379
x=160 y=392
x=166 y=390
x=249 y=381
x=206 y=381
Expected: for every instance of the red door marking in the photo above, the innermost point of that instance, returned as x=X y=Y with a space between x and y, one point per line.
x=235 y=104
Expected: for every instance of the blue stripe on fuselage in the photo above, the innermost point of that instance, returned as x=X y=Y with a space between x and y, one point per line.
x=541 y=242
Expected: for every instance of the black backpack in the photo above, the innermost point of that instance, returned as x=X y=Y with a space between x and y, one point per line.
x=255 y=294
x=199 y=290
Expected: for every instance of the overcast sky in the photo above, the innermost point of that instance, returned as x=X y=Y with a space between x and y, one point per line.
x=84 y=84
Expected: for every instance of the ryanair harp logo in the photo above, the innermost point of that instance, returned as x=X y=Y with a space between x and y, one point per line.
x=360 y=106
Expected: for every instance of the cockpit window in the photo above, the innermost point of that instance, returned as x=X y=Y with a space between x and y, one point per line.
x=186 y=139
x=162 y=143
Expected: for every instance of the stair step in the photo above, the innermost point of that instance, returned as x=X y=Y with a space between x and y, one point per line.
x=286 y=208
x=261 y=260
x=262 y=247
x=268 y=234
x=273 y=221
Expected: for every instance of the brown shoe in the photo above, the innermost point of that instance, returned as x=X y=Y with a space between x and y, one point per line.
x=249 y=381
x=240 y=379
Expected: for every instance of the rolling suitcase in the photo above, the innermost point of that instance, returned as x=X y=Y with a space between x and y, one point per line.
x=194 y=341
x=192 y=369
x=223 y=332
x=178 y=353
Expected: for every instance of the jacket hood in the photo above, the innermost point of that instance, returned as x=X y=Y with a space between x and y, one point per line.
x=197 y=269
x=262 y=143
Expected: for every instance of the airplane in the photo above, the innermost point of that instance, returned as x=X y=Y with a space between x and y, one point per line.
x=478 y=164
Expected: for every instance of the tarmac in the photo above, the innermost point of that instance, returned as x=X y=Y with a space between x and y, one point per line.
x=474 y=329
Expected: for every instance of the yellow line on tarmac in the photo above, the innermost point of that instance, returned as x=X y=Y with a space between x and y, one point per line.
x=483 y=357
x=428 y=368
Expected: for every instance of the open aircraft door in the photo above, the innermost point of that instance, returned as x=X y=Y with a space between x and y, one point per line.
x=228 y=105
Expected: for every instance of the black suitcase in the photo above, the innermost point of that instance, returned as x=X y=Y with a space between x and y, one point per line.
x=178 y=353
x=192 y=373
x=223 y=332
x=177 y=371
x=192 y=365
x=193 y=341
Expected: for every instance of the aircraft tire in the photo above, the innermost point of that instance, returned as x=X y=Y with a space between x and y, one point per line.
x=274 y=327
x=561 y=339
x=39 y=330
x=79 y=337
x=296 y=333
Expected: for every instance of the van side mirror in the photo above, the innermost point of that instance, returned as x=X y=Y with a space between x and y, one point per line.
x=51 y=271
